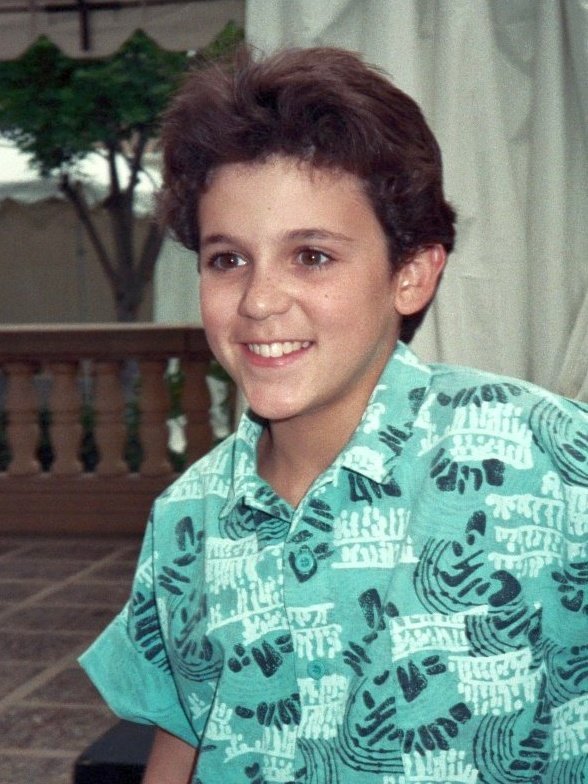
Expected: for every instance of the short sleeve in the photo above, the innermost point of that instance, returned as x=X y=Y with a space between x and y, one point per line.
x=128 y=662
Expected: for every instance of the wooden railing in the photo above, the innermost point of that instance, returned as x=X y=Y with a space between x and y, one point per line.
x=58 y=375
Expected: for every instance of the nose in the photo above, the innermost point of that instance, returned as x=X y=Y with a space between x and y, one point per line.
x=264 y=294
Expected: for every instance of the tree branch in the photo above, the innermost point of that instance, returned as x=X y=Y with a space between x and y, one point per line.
x=136 y=161
x=114 y=180
x=149 y=253
x=76 y=197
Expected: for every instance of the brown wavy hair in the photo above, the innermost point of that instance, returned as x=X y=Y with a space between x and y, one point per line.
x=324 y=106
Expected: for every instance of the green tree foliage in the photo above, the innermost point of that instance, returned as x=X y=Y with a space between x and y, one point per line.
x=59 y=110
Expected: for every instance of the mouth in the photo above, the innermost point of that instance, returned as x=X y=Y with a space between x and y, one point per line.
x=278 y=349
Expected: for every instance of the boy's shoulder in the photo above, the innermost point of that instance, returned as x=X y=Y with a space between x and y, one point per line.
x=468 y=403
x=452 y=386
x=457 y=386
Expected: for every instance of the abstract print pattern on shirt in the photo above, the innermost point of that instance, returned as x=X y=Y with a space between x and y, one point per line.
x=422 y=616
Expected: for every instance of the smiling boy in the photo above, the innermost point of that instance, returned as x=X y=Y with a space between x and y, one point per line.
x=380 y=577
x=287 y=254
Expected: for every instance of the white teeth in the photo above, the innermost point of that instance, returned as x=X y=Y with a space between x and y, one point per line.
x=277 y=350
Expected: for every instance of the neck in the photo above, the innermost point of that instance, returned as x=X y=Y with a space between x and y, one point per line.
x=294 y=452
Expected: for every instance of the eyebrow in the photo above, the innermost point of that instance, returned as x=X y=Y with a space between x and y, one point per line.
x=317 y=234
x=306 y=235
x=216 y=239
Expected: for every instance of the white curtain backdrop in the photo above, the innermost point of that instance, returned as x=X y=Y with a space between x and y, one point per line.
x=504 y=85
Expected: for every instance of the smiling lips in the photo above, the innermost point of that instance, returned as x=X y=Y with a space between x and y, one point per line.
x=276 y=350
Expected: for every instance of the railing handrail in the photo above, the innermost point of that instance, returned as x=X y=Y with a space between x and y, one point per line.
x=67 y=342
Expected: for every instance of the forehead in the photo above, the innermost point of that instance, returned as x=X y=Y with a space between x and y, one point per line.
x=287 y=191
x=280 y=166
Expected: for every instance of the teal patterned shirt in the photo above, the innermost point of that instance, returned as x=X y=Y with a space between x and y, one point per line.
x=420 y=617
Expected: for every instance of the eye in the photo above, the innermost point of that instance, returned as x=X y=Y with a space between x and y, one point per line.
x=311 y=257
x=226 y=261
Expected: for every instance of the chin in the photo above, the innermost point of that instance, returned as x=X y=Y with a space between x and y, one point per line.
x=273 y=411
x=272 y=414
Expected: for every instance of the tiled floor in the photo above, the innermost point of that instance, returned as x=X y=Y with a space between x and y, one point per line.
x=55 y=596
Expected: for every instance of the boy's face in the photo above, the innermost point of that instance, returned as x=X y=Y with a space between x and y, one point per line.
x=297 y=293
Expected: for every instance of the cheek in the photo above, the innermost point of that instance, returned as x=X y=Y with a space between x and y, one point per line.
x=211 y=305
x=215 y=327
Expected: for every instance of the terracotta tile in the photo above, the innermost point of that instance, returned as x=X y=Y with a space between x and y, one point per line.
x=70 y=686
x=15 y=768
x=118 y=570
x=44 y=568
x=39 y=648
x=93 y=592
x=13 y=675
x=42 y=736
x=60 y=618
x=7 y=549
x=130 y=552
x=64 y=728
x=17 y=590
x=13 y=547
x=78 y=549
x=24 y=540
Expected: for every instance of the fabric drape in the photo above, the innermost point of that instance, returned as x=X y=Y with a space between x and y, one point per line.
x=504 y=86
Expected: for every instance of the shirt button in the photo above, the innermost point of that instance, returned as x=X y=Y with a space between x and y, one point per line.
x=304 y=562
x=316 y=669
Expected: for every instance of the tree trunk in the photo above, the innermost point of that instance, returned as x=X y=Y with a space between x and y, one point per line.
x=128 y=270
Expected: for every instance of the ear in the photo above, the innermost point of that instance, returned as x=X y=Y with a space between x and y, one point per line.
x=417 y=280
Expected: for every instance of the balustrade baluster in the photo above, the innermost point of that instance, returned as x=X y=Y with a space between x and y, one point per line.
x=66 y=427
x=109 y=429
x=196 y=406
x=114 y=499
x=154 y=408
x=23 y=419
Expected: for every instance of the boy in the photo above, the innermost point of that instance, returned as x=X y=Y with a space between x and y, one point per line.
x=381 y=577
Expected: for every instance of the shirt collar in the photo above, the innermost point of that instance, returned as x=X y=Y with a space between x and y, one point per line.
x=388 y=419
x=245 y=480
